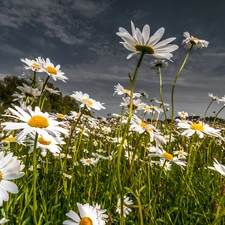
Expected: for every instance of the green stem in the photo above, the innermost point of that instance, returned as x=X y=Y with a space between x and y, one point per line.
x=217 y=115
x=34 y=185
x=132 y=81
x=175 y=81
x=42 y=91
x=207 y=109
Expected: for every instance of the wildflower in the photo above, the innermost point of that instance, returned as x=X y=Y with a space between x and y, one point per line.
x=86 y=101
x=143 y=42
x=89 y=161
x=199 y=128
x=158 y=63
x=4 y=220
x=89 y=215
x=54 y=72
x=183 y=114
x=29 y=91
x=218 y=167
x=48 y=143
x=213 y=97
x=162 y=103
x=156 y=152
x=34 y=65
x=152 y=109
x=126 y=210
x=9 y=170
x=52 y=91
x=33 y=121
x=129 y=156
x=120 y=90
x=137 y=103
x=193 y=41
x=67 y=176
x=181 y=154
x=167 y=166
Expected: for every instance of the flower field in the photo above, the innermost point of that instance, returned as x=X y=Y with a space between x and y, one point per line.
x=130 y=168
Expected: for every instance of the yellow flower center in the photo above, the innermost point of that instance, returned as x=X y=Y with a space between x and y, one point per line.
x=180 y=153
x=38 y=121
x=127 y=91
x=195 y=38
x=0 y=175
x=51 y=70
x=167 y=155
x=42 y=141
x=89 y=160
x=143 y=48
x=10 y=138
x=147 y=108
x=87 y=102
x=60 y=116
x=143 y=124
x=85 y=221
x=35 y=66
x=197 y=126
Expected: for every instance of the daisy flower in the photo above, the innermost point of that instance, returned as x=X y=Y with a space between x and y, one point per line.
x=218 y=167
x=89 y=215
x=89 y=161
x=126 y=203
x=183 y=114
x=193 y=41
x=167 y=166
x=86 y=101
x=34 y=65
x=143 y=42
x=48 y=143
x=199 y=128
x=120 y=90
x=156 y=152
x=4 y=220
x=181 y=154
x=158 y=63
x=213 y=97
x=152 y=109
x=54 y=72
x=9 y=170
x=33 y=121
x=137 y=103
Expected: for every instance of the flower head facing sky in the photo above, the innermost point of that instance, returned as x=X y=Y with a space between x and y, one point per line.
x=193 y=41
x=143 y=42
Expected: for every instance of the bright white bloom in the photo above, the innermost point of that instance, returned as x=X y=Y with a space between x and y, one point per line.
x=129 y=155
x=4 y=220
x=29 y=91
x=89 y=215
x=181 y=154
x=120 y=90
x=199 y=128
x=86 y=101
x=34 y=121
x=213 y=97
x=152 y=109
x=158 y=63
x=34 y=65
x=143 y=42
x=137 y=103
x=197 y=43
x=162 y=103
x=126 y=210
x=48 y=143
x=54 y=72
x=89 y=161
x=9 y=170
x=183 y=114
x=156 y=152
x=218 y=167
x=165 y=164
x=52 y=91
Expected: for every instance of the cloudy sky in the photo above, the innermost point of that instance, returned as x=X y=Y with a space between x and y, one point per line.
x=80 y=35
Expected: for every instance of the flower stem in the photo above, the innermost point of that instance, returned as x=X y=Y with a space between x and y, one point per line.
x=132 y=81
x=34 y=185
x=175 y=81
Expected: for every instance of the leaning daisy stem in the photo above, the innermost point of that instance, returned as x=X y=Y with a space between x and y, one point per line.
x=34 y=185
x=175 y=81
x=161 y=92
x=132 y=81
x=207 y=109
x=42 y=91
x=216 y=116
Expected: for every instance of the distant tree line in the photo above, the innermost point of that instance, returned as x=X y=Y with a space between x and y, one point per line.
x=53 y=103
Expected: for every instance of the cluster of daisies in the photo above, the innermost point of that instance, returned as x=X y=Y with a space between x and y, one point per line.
x=48 y=131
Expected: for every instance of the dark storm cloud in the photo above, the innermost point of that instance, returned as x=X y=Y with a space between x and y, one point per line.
x=80 y=35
